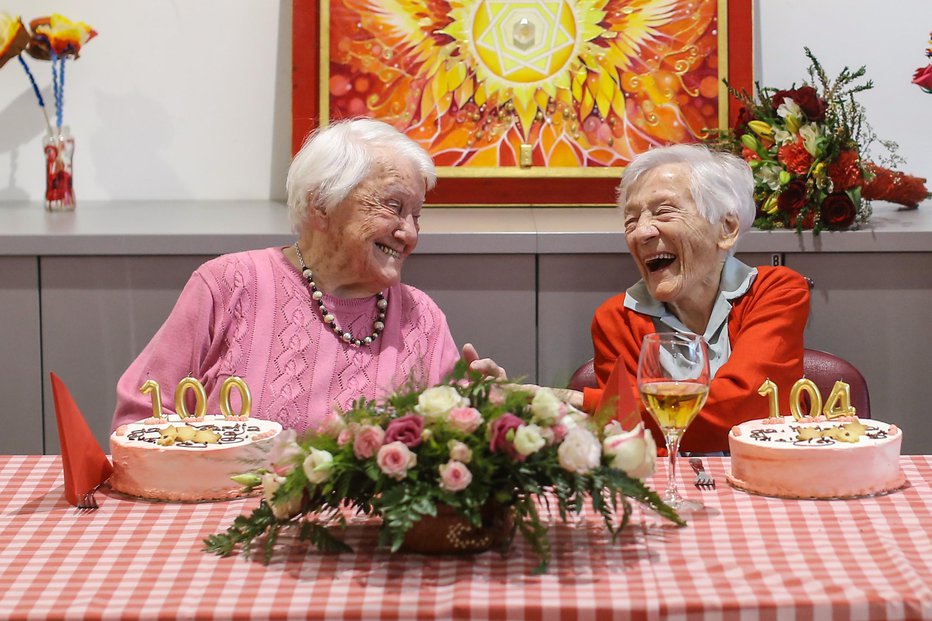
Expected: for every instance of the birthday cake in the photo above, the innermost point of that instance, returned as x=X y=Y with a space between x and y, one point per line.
x=816 y=457
x=189 y=459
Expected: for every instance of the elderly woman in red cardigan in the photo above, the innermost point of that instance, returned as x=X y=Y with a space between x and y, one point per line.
x=685 y=208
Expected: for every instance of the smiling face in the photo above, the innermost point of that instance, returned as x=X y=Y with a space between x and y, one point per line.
x=363 y=242
x=678 y=252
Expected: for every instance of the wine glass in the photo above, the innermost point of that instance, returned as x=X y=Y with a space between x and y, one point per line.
x=673 y=379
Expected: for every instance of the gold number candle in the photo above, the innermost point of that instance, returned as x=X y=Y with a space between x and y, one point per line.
x=152 y=388
x=839 y=402
x=200 y=398
x=244 y=397
x=769 y=389
x=807 y=386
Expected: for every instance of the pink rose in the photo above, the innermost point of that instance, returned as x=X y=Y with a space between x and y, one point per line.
x=454 y=476
x=498 y=434
x=367 y=441
x=332 y=425
x=406 y=430
x=633 y=451
x=345 y=437
x=459 y=451
x=395 y=459
x=465 y=420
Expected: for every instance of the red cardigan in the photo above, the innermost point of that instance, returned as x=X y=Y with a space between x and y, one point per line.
x=765 y=327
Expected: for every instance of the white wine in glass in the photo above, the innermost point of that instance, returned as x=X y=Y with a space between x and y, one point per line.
x=673 y=379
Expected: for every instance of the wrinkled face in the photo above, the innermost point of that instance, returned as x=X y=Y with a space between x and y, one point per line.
x=677 y=251
x=375 y=229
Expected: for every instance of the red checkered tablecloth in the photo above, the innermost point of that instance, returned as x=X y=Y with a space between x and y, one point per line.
x=748 y=557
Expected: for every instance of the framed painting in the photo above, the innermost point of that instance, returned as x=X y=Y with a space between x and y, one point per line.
x=523 y=102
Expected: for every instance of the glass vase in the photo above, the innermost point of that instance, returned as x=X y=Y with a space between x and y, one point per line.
x=59 y=180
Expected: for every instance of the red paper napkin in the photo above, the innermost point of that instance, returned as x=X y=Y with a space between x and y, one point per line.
x=619 y=395
x=86 y=465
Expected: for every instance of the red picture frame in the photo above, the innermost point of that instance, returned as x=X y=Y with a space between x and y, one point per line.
x=506 y=182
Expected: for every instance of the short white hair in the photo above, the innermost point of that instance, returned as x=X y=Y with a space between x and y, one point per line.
x=721 y=183
x=336 y=158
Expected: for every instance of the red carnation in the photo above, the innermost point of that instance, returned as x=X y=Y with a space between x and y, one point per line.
x=838 y=211
x=795 y=157
x=806 y=98
x=845 y=172
x=793 y=197
x=498 y=435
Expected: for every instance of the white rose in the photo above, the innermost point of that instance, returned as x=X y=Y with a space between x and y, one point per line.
x=317 y=466
x=634 y=452
x=580 y=451
x=439 y=400
x=280 y=509
x=546 y=407
x=528 y=439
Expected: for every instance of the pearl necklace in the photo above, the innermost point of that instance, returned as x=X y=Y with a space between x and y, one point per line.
x=380 y=302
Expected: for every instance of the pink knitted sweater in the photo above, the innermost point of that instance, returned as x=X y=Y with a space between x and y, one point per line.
x=250 y=314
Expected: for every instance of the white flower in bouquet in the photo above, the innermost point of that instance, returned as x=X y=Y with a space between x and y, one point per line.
x=634 y=452
x=317 y=465
x=281 y=510
x=546 y=407
x=437 y=401
x=580 y=451
x=528 y=439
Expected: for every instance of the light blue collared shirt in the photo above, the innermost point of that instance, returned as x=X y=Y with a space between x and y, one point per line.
x=736 y=281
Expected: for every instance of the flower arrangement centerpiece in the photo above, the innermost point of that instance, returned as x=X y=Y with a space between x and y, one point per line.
x=923 y=75
x=54 y=39
x=808 y=148
x=464 y=446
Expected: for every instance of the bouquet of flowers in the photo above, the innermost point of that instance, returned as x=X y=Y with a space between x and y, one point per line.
x=808 y=148
x=461 y=446
x=54 y=38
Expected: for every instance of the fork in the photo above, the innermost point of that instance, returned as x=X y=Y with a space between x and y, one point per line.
x=87 y=502
x=703 y=479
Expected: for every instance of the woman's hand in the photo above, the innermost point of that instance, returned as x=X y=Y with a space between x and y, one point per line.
x=485 y=366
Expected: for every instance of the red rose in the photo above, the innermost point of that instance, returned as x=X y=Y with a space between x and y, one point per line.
x=845 y=172
x=498 y=434
x=923 y=78
x=406 y=430
x=795 y=157
x=806 y=98
x=838 y=211
x=793 y=197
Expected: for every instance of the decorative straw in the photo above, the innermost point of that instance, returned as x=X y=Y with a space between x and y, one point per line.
x=35 y=89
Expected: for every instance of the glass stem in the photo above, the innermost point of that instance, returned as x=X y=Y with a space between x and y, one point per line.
x=673 y=447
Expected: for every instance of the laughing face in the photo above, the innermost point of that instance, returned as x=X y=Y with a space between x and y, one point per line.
x=678 y=252
x=373 y=231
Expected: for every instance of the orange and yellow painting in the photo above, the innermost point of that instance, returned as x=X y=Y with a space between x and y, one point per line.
x=527 y=85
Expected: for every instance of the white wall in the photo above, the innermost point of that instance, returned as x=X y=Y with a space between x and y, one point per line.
x=180 y=99
x=190 y=99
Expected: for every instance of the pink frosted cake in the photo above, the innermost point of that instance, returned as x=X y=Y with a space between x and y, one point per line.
x=818 y=458
x=175 y=460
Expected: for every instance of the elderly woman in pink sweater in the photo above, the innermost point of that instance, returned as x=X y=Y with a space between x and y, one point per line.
x=314 y=326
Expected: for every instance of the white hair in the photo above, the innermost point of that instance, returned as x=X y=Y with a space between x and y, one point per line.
x=721 y=183
x=335 y=159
